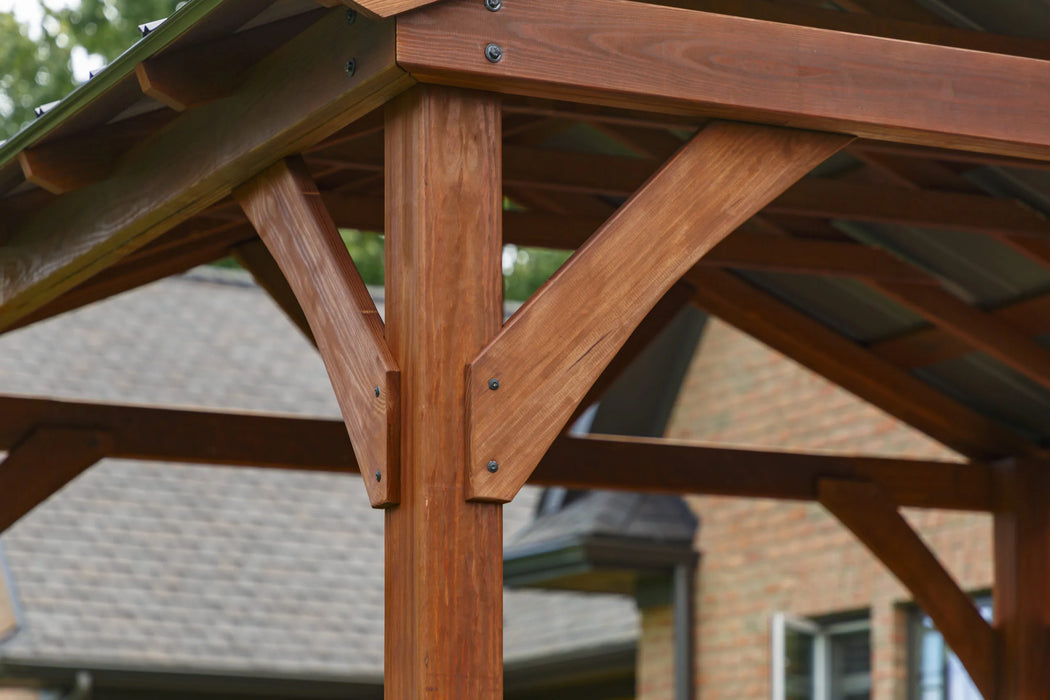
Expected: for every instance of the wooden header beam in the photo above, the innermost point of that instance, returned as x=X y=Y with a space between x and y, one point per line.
x=649 y=57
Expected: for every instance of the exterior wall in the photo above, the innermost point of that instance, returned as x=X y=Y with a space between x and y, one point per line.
x=762 y=556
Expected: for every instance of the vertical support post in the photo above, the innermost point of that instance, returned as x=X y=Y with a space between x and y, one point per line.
x=1022 y=577
x=444 y=555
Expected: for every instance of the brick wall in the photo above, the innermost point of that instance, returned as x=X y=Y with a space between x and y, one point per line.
x=763 y=556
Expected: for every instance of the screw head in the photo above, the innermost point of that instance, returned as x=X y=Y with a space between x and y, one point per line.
x=351 y=16
x=494 y=5
x=493 y=384
x=377 y=392
x=379 y=476
x=494 y=53
x=493 y=466
x=351 y=67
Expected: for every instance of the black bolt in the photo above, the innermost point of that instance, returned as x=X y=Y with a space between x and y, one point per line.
x=377 y=392
x=494 y=53
x=493 y=466
x=379 y=476
x=493 y=384
x=351 y=67
x=494 y=5
x=351 y=16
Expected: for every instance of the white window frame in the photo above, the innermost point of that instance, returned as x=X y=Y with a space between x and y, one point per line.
x=781 y=623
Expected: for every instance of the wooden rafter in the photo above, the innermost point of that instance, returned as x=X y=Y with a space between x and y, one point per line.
x=871 y=514
x=42 y=463
x=552 y=350
x=292 y=99
x=733 y=67
x=283 y=204
x=853 y=367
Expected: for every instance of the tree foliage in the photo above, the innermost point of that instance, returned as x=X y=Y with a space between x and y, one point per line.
x=37 y=61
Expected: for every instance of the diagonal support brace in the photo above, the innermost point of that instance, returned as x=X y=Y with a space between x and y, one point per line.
x=43 y=462
x=869 y=513
x=550 y=353
x=286 y=209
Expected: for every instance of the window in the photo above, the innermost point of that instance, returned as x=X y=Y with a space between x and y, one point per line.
x=936 y=673
x=821 y=661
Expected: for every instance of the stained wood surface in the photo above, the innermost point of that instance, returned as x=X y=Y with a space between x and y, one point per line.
x=552 y=350
x=1022 y=568
x=444 y=564
x=195 y=437
x=283 y=204
x=639 y=56
x=984 y=331
x=43 y=462
x=256 y=259
x=853 y=367
x=676 y=467
x=870 y=514
x=294 y=98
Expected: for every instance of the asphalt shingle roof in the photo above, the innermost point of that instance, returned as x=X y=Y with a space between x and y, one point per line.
x=220 y=569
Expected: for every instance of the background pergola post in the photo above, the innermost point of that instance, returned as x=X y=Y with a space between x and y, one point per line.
x=1022 y=574
x=444 y=555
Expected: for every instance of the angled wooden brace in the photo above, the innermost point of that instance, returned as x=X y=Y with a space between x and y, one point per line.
x=286 y=209
x=42 y=463
x=527 y=382
x=256 y=259
x=870 y=514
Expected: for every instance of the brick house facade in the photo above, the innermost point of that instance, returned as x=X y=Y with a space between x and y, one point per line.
x=762 y=557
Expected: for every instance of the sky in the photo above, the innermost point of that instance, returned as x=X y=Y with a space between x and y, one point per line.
x=28 y=12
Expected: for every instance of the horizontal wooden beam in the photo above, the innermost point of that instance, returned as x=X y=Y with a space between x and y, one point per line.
x=675 y=467
x=871 y=514
x=853 y=367
x=43 y=462
x=194 y=437
x=551 y=351
x=286 y=209
x=294 y=98
x=638 y=56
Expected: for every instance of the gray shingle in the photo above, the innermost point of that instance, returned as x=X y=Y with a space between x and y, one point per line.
x=219 y=569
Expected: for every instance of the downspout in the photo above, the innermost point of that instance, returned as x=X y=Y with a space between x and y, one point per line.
x=682 y=608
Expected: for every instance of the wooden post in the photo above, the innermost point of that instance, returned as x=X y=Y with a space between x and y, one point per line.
x=444 y=563
x=1022 y=573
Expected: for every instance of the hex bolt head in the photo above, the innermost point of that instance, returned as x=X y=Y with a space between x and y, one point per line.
x=351 y=67
x=494 y=53
x=493 y=466
x=377 y=392
x=379 y=476
x=494 y=5
x=493 y=384
x=351 y=16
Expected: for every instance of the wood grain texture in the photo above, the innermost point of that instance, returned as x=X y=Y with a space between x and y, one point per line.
x=283 y=204
x=633 y=55
x=677 y=467
x=386 y=8
x=552 y=350
x=43 y=462
x=256 y=259
x=871 y=514
x=1022 y=569
x=294 y=98
x=853 y=367
x=444 y=575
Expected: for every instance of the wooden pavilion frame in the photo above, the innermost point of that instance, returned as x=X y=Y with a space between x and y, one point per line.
x=449 y=411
